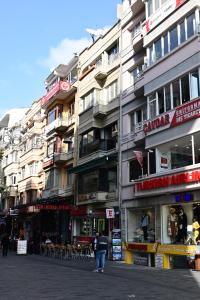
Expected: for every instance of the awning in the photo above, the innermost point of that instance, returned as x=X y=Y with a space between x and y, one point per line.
x=93 y=164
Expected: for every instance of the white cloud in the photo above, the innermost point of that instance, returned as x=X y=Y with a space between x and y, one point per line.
x=64 y=52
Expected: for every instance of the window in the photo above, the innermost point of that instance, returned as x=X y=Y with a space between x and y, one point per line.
x=182 y=32
x=33 y=167
x=23 y=173
x=190 y=25
x=176 y=93
x=88 y=99
x=158 y=49
x=137 y=117
x=69 y=178
x=112 y=180
x=194 y=84
x=161 y=107
x=71 y=109
x=167 y=97
x=112 y=90
x=136 y=30
x=152 y=106
x=166 y=44
x=136 y=73
x=113 y=54
x=185 y=89
x=173 y=38
x=149 y=7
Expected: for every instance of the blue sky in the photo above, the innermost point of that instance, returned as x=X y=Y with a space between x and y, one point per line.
x=37 y=35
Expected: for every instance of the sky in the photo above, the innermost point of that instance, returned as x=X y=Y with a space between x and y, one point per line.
x=38 y=35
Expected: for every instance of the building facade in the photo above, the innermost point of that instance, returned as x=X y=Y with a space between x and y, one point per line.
x=58 y=194
x=162 y=200
x=97 y=136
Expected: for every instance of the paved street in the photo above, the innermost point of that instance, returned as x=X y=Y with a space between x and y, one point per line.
x=36 y=277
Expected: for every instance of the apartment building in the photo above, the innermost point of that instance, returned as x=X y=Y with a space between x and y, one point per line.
x=163 y=201
x=97 y=136
x=58 y=194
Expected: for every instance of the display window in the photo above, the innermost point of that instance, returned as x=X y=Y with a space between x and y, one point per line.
x=141 y=225
x=179 y=153
x=181 y=224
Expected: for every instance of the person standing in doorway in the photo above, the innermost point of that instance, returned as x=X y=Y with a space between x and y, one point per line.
x=101 y=250
x=5 y=244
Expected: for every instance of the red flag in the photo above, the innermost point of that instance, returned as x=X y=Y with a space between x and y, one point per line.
x=139 y=157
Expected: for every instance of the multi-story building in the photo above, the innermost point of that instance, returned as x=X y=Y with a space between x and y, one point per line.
x=96 y=164
x=58 y=195
x=163 y=199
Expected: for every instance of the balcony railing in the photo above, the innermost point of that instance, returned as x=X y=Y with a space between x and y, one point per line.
x=102 y=145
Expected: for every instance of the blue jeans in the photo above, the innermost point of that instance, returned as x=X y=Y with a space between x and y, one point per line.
x=100 y=259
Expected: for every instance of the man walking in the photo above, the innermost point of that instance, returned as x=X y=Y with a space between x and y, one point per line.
x=5 y=244
x=102 y=247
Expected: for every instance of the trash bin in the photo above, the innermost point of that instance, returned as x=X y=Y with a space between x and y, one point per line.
x=197 y=262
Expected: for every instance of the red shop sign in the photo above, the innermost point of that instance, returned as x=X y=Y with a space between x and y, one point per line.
x=165 y=181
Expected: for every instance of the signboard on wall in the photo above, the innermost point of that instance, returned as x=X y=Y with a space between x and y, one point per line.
x=160 y=14
x=176 y=117
x=159 y=260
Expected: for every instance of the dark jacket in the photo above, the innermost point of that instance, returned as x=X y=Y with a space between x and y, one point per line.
x=5 y=240
x=102 y=243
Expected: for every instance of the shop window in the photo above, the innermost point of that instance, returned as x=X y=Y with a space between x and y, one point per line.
x=181 y=222
x=141 y=225
x=185 y=89
x=176 y=93
x=197 y=147
x=190 y=25
x=194 y=84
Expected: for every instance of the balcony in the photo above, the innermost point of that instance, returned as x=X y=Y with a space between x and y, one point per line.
x=63 y=156
x=137 y=6
x=98 y=145
x=100 y=111
x=59 y=91
x=58 y=192
x=100 y=72
x=137 y=39
x=90 y=198
x=47 y=162
x=60 y=124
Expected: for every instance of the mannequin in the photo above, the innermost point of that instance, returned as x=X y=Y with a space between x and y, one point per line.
x=182 y=226
x=195 y=226
x=144 y=225
x=172 y=224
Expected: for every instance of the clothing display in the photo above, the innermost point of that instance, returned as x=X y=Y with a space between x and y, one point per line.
x=182 y=226
x=144 y=225
x=172 y=224
x=195 y=226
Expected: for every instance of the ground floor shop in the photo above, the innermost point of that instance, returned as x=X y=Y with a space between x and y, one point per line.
x=163 y=231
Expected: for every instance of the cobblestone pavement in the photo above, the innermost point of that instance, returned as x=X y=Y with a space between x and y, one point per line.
x=36 y=277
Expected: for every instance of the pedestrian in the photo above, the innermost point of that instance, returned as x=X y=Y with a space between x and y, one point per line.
x=101 y=250
x=5 y=244
x=94 y=244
